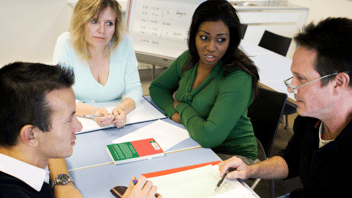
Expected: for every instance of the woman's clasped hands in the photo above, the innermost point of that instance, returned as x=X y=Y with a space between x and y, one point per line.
x=117 y=117
x=176 y=116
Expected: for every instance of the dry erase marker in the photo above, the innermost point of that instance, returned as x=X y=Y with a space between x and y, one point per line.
x=93 y=116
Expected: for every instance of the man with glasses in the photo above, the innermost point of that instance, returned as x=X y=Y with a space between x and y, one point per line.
x=319 y=150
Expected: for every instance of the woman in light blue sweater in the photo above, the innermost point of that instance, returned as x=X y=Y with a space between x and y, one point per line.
x=103 y=60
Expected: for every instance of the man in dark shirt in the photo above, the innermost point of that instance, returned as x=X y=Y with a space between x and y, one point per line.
x=37 y=123
x=319 y=150
x=38 y=126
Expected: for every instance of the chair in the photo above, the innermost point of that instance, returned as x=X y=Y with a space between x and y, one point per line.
x=265 y=113
x=278 y=44
x=288 y=110
x=274 y=42
x=244 y=29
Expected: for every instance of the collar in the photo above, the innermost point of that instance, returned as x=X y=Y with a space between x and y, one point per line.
x=321 y=141
x=338 y=145
x=29 y=174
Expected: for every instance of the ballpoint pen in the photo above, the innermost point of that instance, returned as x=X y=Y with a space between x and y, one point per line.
x=223 y=177
x=93 y=116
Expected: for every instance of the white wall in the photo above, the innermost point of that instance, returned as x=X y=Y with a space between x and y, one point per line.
x=321 y=9
x=29 y=29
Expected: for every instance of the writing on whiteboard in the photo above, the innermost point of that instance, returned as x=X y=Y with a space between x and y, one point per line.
x=161 y=24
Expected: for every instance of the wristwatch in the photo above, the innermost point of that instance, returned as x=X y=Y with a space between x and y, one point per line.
x=61 y=179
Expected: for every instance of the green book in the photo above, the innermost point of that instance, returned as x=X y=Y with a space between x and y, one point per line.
x=134 y=150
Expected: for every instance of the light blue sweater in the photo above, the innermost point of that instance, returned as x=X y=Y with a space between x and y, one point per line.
x=123 y=75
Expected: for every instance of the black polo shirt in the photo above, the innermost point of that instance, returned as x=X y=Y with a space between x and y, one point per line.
x=325 y=171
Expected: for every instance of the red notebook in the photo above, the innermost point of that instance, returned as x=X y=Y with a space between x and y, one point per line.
x=134 y=150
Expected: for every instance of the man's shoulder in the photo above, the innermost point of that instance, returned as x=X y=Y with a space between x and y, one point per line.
x=13 y=187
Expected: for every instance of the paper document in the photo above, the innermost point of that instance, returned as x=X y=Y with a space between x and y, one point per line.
x=143 y=112
x=167 y=135
x=198 y=183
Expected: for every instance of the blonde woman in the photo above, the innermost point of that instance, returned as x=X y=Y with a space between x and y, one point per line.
x=103 y=60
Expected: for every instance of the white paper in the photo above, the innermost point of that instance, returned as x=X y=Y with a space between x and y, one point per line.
x=198 y=183
x=143 y=112
x=165 y=134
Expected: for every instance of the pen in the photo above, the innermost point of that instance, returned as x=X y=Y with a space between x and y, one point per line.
x=222 y=179
x=93 y=116
x=135 y=181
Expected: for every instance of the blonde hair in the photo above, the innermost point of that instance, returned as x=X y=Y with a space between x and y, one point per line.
x=84 y=12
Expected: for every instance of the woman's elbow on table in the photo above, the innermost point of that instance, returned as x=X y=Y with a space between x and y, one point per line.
x=207 y=142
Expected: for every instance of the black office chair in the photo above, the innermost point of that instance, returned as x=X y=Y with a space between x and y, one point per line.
x=244 y=29
x=278 y=44
x=274 y=42
x=265 y=113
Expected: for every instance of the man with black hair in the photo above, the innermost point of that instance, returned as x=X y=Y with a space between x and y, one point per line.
x=319 y=150
x=37 y=123
x=38 y=126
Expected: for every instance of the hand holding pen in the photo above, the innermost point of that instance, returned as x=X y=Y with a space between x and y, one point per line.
x=240 y=169
x=120 y=116
x=104 y=118
x=142 y=188
x=101 y=116
x=223 y=178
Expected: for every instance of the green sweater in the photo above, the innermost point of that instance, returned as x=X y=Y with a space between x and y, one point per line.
x=215 y=112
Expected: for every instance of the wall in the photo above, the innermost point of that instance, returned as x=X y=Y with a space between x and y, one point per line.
x=320 y=9
x=29 y=29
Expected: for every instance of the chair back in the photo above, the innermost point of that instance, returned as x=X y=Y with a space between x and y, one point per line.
x=276 y=43
x=244 y=29
x=265 y=113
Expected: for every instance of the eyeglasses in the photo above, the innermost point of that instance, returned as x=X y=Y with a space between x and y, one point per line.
x=294 y=89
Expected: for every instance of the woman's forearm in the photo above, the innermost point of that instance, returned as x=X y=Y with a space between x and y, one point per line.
x=83 y=109
x=127 y=105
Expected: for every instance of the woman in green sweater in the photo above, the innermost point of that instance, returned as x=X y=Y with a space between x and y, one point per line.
x=215 y=83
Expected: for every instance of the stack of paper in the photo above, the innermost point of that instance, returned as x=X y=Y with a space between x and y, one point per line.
x=167 y=135
x=143 y=112
x=199 y=183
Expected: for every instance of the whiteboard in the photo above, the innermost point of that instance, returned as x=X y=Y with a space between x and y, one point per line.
x=160 y=27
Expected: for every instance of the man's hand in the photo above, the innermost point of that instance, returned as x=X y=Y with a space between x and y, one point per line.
x=242 y=169
x=143 y=189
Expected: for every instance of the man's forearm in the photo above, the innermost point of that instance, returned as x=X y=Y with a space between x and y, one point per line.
x=273 y=168
x=56 y=167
